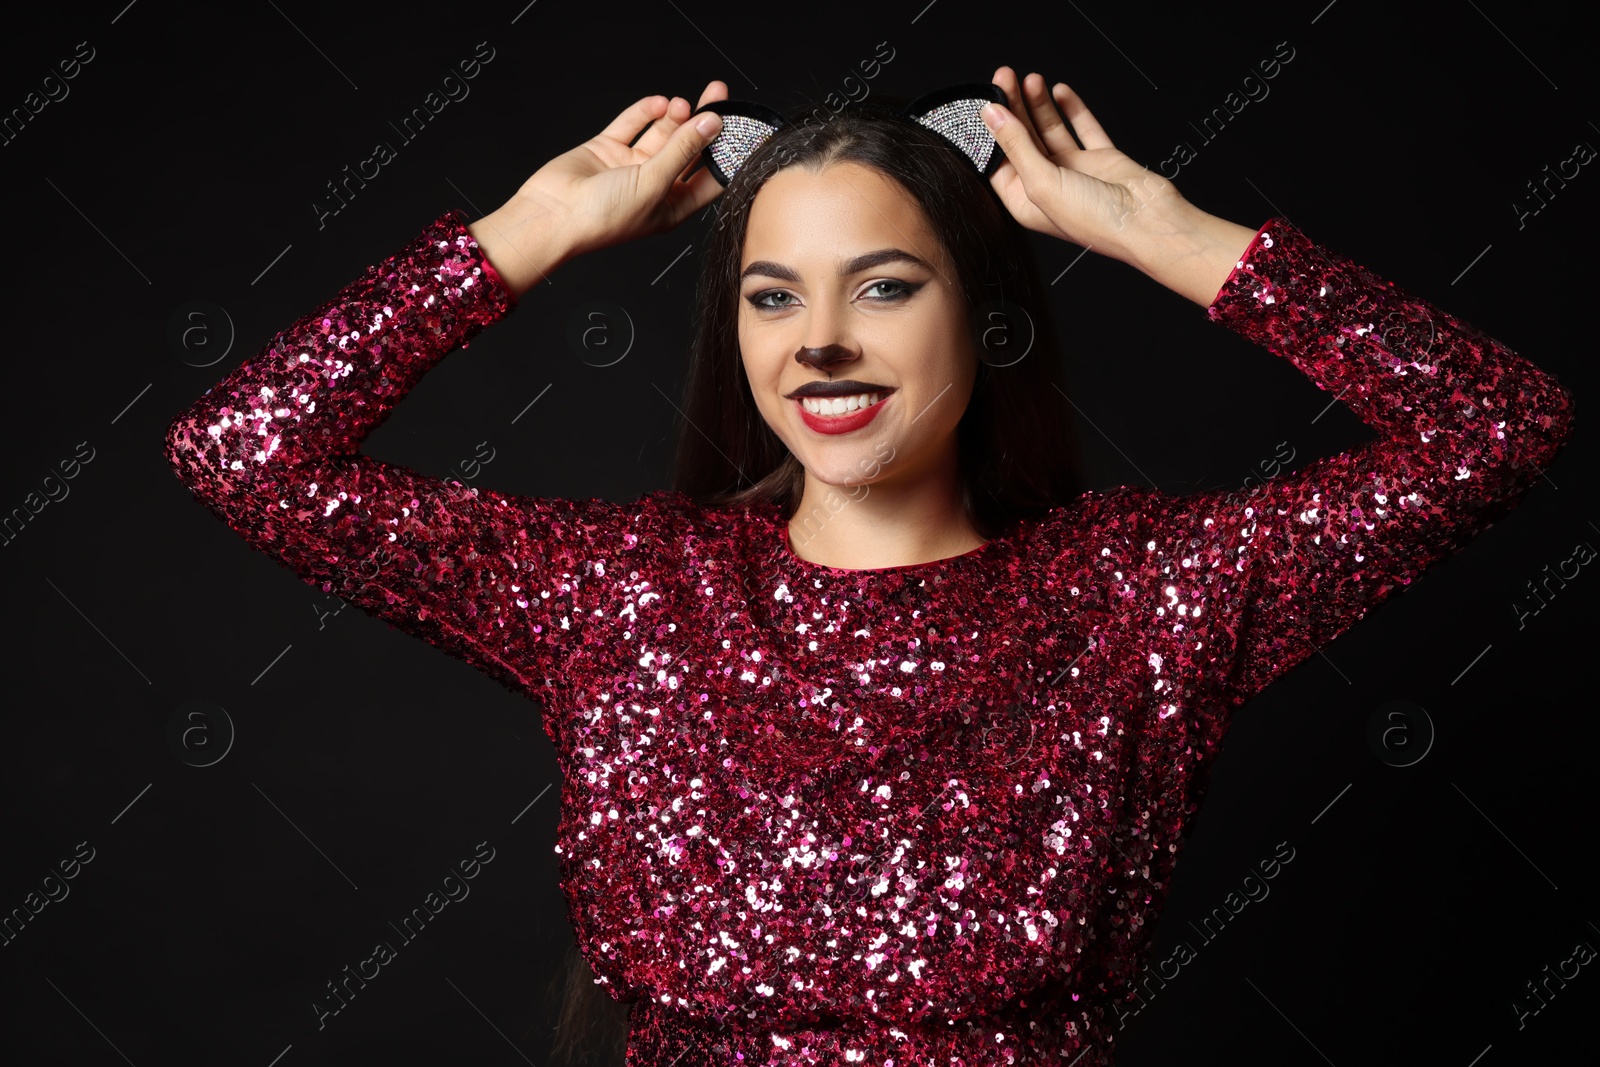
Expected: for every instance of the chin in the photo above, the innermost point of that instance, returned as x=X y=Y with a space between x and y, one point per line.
x=844 y=477
x=845 y=465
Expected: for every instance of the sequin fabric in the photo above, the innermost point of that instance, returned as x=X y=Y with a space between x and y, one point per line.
x=920 y=815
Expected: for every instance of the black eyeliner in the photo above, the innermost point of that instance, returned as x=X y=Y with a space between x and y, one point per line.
x=908 y=290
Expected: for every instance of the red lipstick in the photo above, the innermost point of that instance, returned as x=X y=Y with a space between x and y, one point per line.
x=837 y=424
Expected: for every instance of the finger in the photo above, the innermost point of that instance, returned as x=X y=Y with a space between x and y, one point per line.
x=686 y=142
x=651 y=140
x=1006 y=78
x=678 y=112
x=1003 y=174
x=1016 y=200
x=715 y=90
x=1052 y=130
x=1083 y=121
x=689 y=197
x=626 y=126
x=1016 y=142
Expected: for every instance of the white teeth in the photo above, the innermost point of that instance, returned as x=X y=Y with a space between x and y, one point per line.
x=839 y=405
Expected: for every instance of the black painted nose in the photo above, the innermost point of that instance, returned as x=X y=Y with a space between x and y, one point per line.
x=824 y=357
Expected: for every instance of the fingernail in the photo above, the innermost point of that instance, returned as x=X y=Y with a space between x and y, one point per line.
x=993 y=116
x=708 y=123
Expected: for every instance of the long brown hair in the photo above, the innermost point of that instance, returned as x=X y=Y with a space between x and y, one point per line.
x=591 y=1028
x=1018 y=447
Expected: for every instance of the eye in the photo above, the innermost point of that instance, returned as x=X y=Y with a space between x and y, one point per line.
x=901 y=291
x=758 y=299
x=905 y=289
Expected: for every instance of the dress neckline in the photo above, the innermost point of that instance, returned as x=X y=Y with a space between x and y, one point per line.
x=786 y=552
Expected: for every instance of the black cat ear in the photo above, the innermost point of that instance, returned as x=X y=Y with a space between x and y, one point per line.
x=953 y=113
x=745 y=127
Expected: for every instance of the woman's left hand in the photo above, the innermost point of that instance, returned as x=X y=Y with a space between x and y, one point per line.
x=1084 y=195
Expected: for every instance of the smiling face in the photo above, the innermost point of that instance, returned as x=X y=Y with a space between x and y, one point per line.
x=845 y=288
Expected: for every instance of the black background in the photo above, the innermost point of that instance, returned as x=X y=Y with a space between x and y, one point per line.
x=187 y=157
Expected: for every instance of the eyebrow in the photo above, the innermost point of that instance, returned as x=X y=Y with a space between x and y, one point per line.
x=865 y=261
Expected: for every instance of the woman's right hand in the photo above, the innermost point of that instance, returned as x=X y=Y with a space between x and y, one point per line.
x=605 y=191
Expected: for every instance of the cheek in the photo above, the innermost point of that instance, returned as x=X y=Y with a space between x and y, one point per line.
x=947 y=366
x=763 y=374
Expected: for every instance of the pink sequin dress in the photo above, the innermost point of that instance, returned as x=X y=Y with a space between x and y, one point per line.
x=919 y=815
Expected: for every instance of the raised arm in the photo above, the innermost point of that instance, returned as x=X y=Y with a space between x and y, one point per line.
x=1467 y=427
x=272 y=449
x=502 y=582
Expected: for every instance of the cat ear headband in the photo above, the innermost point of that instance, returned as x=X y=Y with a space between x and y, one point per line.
x=952 y=112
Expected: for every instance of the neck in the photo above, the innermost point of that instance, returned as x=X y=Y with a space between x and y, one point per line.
x=909 y=516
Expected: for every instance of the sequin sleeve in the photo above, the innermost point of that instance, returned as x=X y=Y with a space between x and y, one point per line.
x=272 y=449
x=1466 y=426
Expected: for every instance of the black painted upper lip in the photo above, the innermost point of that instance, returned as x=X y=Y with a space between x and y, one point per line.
x=843 y=387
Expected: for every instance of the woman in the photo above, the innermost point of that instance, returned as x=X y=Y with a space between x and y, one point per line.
x=903 y=778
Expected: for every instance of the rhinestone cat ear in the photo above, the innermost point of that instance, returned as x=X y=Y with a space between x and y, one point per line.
x=951 y=112
x=745 y=127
